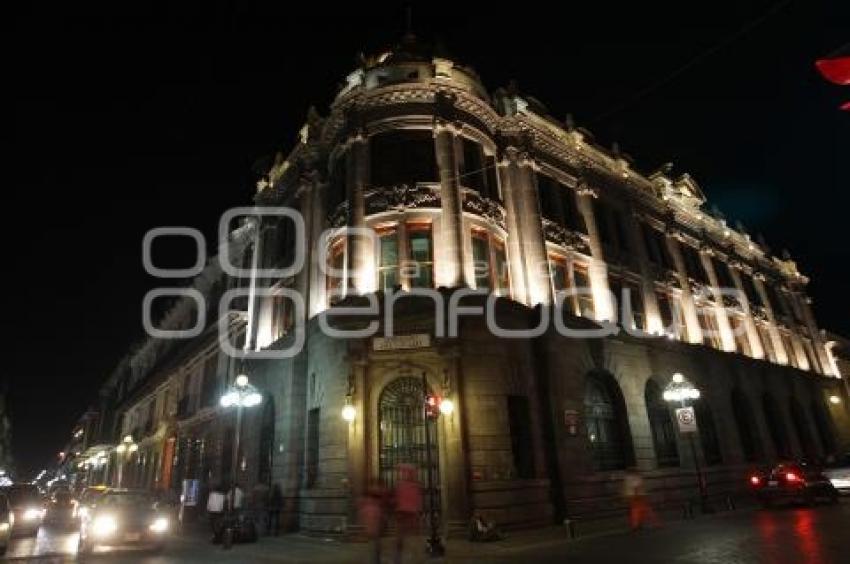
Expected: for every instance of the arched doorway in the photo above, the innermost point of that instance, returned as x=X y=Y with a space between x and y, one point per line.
x=661 y=426
x=401 y=420
x=606 y=423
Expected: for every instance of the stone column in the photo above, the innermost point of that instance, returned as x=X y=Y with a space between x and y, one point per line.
x=361 y=254
x=598 y=270
x=750 y=325
x=778 y=346
x=507 y=177
x=727 y=339
x=450 y=271
x=650 y=302
x=538 y=285
x=817 y=341
x=316 y=299
x=403 y=253
x=455 y=483
x=357 y=445
x=688 y=306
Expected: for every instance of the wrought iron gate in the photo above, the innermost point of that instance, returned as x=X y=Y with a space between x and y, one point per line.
x=402 y=423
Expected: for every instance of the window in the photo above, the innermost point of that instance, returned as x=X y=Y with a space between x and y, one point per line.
x=584 y=296
x=403 y=157
x=693 y=264
x=746 y=424
x=337 y=189
x=559 y=273
x=422 y=255
x=210 y=383
x=472 y=167
x=481 y=259
x=790 y=351
x=708 y=433
x=810 y=354
x=656 y=247
x=634 y=314
x=672 y=316
x=283 y=317
x=739 y=331
x=607 y=430
x=388 y=260
x=494 y=191
x=708 y=324
x=661 y=426
x=312 y=454
x=766 y=342
x=519 y=421
x=500 y=269
x=551 y=203
x=724 y=277
x=336 y=266
x=573 y=218
x=750 y=290
x=604 y=224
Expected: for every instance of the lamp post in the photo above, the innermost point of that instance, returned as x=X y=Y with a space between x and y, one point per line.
x=242 y=394
x=433 y=407
x=681 y=391
x=124 y=449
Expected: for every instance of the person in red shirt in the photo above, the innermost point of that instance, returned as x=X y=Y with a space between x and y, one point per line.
x=408 y=505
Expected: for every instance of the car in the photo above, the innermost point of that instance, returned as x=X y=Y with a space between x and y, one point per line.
x=86 y=499
x=7 y=520
x=61 y=509
x=27 y=508
x=122 y=519
x=792 y=482
x=838 y=472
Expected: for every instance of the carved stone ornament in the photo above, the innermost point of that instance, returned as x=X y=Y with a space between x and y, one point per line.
x=401 y=197
x=485 y=207
x=559 y=235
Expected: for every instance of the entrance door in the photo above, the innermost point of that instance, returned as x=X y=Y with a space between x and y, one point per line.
x=402 y=423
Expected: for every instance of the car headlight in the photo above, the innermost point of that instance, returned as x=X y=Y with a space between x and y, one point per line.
x=104 y=525
x=32 y=514
x=160 y=525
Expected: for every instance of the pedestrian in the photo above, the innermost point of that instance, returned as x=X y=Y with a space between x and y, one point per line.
x=215 y=511
x=275 y=506
x=408 y=505
x=373 y=518
x=640 y=511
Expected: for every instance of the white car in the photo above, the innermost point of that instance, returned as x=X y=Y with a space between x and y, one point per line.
x=839 y=474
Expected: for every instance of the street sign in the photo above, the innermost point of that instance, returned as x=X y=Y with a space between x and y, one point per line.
x=687 y=419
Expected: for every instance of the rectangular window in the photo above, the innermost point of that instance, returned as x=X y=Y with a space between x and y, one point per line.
x=500 y=269
x=388 y=259
x=573 y=218
x=282 y=316
x=621 y=225
x=210 y=384
x=750 y=290
x=788 y=343
x=337 y=189
x=638 y=312
x=519 y=420
x=724 y=277
x=585 y=297
x=422 y=255
x=560 y=274
x=403 y=157
x=693 y=264
x=472 y=168
x=739 y=330
x=336 y=266
x=766 y=342
x=604 y=224
x=481 y=259
x=550 y=199
x=708 y=324
x=494 y=192
x=312 y=454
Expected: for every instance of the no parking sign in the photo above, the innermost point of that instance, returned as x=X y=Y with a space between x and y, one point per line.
x=687 y=419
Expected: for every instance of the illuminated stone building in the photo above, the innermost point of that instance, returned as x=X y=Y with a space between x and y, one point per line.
x=467 y=189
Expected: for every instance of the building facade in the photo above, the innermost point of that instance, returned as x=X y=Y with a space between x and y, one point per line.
x=422 y=195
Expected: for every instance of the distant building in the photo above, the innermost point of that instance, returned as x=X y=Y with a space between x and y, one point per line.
x=467 y=190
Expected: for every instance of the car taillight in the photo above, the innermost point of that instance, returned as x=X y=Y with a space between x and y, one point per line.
x=755 y=480
x=791 y=477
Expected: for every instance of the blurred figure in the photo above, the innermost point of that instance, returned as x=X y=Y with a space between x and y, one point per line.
x=275 y=506
x=640 y=511
x=373 y=517
x=408 y=505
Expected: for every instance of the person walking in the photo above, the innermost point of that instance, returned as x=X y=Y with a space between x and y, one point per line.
x=640 y=511
x=408 y=505
x=373 y=518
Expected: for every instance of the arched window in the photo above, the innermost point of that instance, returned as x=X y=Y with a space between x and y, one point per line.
x=708 y=433
x=605 y=419
x=776 y=427
x=661 y=425
x=744 y=420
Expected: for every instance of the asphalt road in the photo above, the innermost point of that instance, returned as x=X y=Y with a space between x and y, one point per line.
x=778 y=536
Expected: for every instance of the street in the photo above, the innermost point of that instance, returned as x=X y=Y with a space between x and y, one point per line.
x=797 y=535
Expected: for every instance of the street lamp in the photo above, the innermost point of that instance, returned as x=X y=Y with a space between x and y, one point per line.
x=433 y=407
x=124 y=449
x=242 y=394
x=681 y=391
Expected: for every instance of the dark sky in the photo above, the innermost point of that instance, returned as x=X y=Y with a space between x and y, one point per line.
x=153 y=116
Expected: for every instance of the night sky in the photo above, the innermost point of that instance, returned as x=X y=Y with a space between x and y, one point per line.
x=155 y=116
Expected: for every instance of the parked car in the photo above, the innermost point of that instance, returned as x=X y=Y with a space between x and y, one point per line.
x=7 y=520
x=838 y=473
x=27 y=507
x=792 y=482
x=123 y=519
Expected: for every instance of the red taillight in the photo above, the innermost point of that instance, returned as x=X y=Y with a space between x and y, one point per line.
x=755 y=480
x=791 y=477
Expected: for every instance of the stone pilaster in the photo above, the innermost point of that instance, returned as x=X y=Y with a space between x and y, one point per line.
x=650 y=302
x=450 y=271
x=361 y=254
x=507 y=177
x=688 y=305
x=538 y=285
x=752 y=331
x=453 y=437
x=782 y=356
x=727 y=339
x=598 y=270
